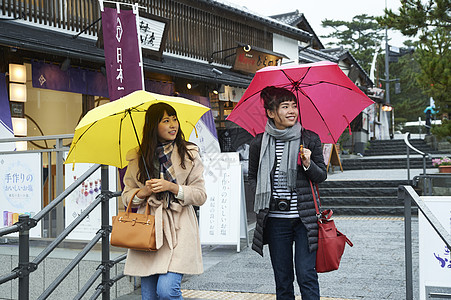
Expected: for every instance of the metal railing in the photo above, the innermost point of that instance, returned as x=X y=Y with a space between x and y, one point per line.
x=408 y=194
x=409 y=146
x=25 y=267
x=57 y=185
x=26 y=222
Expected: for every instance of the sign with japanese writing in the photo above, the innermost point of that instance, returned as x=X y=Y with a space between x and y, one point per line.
x=152 y=33
x=253 y=60
x=221 y=214
x=83 y=196
x=21 y=188
x=434 y=256
x=122 y=51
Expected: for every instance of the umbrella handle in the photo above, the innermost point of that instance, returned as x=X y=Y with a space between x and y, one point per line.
x=349 y=124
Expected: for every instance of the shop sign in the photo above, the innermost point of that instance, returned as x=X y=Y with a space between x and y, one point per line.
x=376 y=93
x=152 y=32
x=122 y=51
x=250 y=61
x=231 y=93
x=20 y=188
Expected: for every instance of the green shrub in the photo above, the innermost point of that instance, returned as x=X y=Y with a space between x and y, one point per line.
x=443 y=131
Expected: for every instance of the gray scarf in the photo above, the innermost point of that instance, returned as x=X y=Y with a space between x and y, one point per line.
x=288 y=161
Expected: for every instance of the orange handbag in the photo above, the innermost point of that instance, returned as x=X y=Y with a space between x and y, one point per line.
x=133 y=230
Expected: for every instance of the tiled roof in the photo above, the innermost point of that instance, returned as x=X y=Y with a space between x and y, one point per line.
x=320 y=54
x=245 y=12
x=342 y=53
x=292 y=18
x=295 y=19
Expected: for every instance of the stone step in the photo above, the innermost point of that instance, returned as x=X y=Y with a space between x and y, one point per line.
x=398 y=152
x=53 y=265
x=360 y=201
x=355 y=192
x=383 y=163
x=369 y=210
x=361 y=183
x=397 y=147
x=397 y=142
x=363 y=197
x=383 y=150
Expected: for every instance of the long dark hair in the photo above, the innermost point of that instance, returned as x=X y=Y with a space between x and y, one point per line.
x=149 y=142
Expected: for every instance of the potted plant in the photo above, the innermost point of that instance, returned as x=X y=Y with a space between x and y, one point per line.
x=443 y=164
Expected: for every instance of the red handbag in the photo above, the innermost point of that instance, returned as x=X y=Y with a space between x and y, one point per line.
x=331 y=242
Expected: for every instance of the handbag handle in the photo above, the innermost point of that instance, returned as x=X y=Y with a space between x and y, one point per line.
x=127 y=211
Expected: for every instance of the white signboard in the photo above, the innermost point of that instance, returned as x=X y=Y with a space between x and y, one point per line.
x=435 y=257
x=21 y=188
x=151 y=33
x=83 y=196
x=224 y=212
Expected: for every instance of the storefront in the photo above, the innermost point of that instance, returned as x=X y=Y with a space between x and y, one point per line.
x=65 y=71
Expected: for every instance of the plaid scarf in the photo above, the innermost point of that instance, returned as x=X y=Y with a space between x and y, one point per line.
x=164 y=152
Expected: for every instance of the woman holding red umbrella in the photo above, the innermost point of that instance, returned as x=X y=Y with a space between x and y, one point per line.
x=283 y=197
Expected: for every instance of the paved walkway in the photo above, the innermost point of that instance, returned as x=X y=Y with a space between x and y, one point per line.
x=373 y=269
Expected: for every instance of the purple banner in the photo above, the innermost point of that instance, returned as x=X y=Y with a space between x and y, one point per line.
x=49 y=76
x=74 y=80
x=159 y=87
x=122 y=53
x=5 y=113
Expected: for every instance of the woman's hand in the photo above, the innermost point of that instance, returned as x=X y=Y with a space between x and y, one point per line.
x=145 y=191
x=305 y=156
x=162 y=185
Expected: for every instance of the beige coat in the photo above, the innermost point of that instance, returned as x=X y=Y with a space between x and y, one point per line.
x=177 y=230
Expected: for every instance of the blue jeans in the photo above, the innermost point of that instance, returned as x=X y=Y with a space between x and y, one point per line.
x=281 y=233
x=162 y=287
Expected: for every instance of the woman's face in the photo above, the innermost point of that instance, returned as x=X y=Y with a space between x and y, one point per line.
x=286 y=115
x=168 y=128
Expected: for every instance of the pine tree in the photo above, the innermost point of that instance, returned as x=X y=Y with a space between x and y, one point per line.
x=360 y=36
x=431 y=23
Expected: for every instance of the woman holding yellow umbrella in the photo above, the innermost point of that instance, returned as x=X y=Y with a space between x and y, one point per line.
x=166 y=172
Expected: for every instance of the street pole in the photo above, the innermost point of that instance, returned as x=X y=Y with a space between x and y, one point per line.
x=387 y=79
x=387 y=71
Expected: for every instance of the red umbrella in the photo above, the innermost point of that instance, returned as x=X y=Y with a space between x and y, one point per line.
x=327 y=99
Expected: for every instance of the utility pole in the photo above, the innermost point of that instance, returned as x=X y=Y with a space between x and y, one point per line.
x=387 y=72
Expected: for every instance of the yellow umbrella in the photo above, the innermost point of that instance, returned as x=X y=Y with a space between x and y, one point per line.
x=106 y=133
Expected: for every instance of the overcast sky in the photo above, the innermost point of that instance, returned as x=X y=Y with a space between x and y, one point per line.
x=317 y=10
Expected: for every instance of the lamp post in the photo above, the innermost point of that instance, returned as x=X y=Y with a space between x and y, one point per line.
x=387 y=71
x=389 y=108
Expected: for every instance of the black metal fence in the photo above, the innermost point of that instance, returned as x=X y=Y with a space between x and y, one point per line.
x=25 y=223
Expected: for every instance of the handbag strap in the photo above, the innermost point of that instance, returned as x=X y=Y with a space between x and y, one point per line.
x=314 y=198
x=127 y=211
x=324 y=215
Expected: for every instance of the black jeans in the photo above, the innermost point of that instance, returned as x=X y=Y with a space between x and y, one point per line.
x=281 y=233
